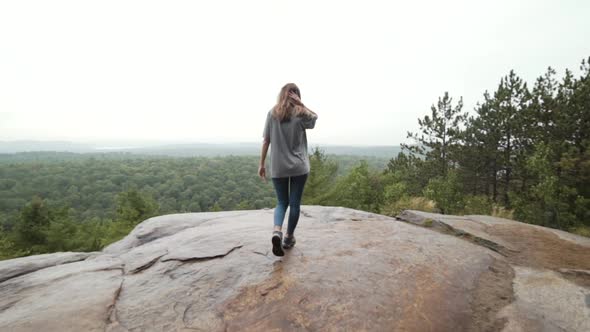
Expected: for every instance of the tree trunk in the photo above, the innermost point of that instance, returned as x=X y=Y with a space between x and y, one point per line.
x=508 y=169
x=494 y=181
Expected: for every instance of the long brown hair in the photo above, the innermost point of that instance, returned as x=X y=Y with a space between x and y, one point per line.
x=285 y=108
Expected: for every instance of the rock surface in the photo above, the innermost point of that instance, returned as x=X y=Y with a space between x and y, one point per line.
x=350 y=271
x=16 y=267
x=551 y=282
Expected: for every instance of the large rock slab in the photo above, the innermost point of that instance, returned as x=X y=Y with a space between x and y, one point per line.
x=545 y=301
x=74 y=296
x=350 y=271
x=15 y=267
x=552 y=268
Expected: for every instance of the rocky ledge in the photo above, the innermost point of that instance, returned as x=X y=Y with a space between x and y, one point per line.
x=350 y=270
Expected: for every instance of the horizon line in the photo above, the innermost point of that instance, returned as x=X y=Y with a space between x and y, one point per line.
x=175 y=142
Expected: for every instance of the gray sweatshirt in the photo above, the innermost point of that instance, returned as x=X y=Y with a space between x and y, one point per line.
x=288 y=151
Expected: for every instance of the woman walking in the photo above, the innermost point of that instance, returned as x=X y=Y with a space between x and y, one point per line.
x=289 y=162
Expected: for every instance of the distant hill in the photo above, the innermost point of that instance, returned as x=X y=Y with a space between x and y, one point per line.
x=182 y=149
x=30 y=145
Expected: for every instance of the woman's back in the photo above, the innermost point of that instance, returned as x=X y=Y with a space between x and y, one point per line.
x=288 y=151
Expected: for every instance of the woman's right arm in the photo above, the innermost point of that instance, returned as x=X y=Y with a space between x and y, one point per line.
x=309 y=112
x=308 y=119
x=303 y=109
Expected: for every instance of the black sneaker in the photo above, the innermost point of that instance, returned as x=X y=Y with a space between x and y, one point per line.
x=277 y=238
x=289 y=242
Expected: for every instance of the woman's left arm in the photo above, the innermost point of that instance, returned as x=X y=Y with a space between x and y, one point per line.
x=261 y=168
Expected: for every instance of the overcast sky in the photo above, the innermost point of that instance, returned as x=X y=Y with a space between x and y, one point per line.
x=209 y=71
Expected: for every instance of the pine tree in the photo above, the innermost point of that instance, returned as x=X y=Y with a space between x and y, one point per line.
x=359 y=189
x=408 y=171
x=439 y=135
x=321 y=177
x=134 y=206
x=32 y=225
x=481 y=152
x=510 y=100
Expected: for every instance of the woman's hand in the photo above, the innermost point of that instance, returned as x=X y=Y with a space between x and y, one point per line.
x=262 y=173
x=295 y=99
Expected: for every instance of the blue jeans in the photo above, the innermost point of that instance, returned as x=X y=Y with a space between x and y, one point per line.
x=289 y=192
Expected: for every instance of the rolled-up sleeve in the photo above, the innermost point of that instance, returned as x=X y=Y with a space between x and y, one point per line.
x=266 y=132
x=308 y=121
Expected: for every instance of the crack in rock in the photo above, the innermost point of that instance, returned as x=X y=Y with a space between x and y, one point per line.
x=146 y=265
x=8 y=305
x=223 y=217
x=576 y=272
x=267 y=290
x=152 y=235
x=184 y=320
x=578 y=276
x=265 y=254
x=448 y=229
x=112 y=317
x=201 y=259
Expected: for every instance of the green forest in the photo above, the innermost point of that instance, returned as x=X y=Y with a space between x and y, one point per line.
x=522 y=153
x=60 y=201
